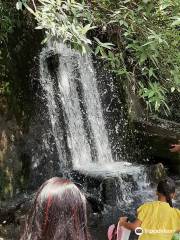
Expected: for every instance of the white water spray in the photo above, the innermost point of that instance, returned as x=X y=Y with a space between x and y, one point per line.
x=73 y=71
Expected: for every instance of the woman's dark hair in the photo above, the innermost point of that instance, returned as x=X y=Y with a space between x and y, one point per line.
x=58 y=213
x=166 y=187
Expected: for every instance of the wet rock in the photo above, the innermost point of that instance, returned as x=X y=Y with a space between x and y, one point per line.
x=155 y=137
x=92 y=188
x=109 y=191
x=105 y=190
x=10 y=162
x=156 y=172
x=9 y=232
x=114 y=188
x=11 y=211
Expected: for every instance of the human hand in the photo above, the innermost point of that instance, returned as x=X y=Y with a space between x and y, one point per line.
x=122 y=220
x=175 y=148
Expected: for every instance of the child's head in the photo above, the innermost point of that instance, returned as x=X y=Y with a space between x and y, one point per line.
x=59 y=212
x=167 y=189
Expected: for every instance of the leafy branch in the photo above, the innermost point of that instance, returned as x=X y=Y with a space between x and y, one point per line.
x=138 y=39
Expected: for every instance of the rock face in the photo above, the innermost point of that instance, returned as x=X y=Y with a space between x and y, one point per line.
x=10 y=156
x=153 y=134
x=17 y=105
x=156 y=136
x=104 y=191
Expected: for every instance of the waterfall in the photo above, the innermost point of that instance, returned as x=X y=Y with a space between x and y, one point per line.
x=71 y=95
x=75 y=112
x=80 y=129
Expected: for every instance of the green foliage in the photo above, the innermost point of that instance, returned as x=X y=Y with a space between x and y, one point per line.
x=102 y=47
x=5 y=88
x=6 y=21
x=154 y=95
x=16 y=35
x=147 y=48
x=142 y=39
x=6 y=27
x=68 y=20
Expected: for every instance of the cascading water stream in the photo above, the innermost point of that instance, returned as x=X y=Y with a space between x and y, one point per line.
x=75 y=90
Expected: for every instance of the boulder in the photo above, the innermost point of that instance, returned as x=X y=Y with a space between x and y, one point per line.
x=156 y=172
